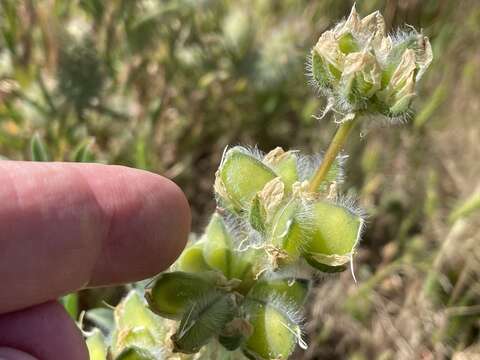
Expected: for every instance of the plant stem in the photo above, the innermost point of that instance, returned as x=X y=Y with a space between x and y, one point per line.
x=331 y=154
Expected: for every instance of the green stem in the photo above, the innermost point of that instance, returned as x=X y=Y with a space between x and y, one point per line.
x=335 y=146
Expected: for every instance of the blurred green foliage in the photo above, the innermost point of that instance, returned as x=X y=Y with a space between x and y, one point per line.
x=165 y=85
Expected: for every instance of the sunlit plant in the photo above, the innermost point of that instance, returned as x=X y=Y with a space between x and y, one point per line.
x=238 y=290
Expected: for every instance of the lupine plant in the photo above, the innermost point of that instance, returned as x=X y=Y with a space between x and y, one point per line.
x=238 y=290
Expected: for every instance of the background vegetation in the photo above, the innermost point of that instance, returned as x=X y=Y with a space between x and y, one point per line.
x=165 y=85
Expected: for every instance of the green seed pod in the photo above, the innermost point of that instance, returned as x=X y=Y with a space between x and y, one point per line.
x=97 y=348
x=192 y=259
x=284 y=164
x=335 y=232
x=244 y=268
x=291 y=289
x=275 y=334
x=319 y=72
x=204 y=319
x=217 y=251
x=287 y=232
x=240 y=177
x=347 y=44
x=361 y=78
x=322 y=267
x=138 y=337
x=135 y=353
x=173 y=292
x=135 y=325
x=359 y=67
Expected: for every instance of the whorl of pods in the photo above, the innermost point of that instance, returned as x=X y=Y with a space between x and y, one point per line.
x=242 y=285
x=363 y=70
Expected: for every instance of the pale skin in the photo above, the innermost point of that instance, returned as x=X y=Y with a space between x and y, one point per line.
x=67 y=226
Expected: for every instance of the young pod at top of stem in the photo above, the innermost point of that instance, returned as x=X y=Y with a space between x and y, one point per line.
x=363 y=69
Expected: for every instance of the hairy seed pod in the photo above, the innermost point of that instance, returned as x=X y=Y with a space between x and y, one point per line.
x=359 y=67
x=291 y=289
x=284 y=163
x=173 y=292
x=135 y=353
x=136 y=326
x=287 y=232
x=217 y=251
x=274 y=335
x=334 y=234
x=192 y=259
x=239 y=177
x=97 y=348
x=204 y=319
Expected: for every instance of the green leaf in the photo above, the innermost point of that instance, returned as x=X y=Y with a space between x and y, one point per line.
x=70 y=303
x=37 y=149
x=173 y=292
x=467 y=207
x=83 y=152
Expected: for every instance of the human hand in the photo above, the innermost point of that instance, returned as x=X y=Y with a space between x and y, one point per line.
x=67 y=226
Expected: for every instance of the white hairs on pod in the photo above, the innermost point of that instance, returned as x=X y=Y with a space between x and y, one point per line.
x=297 y=270
x=319 y=89
x=308 y=164
x=287 y=307
x=253 y=151
x=293 y=313
x=350 y=203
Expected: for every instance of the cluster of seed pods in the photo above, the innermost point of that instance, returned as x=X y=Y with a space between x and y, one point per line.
x=244 y=282
x=362 y=70
x=240 y=288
